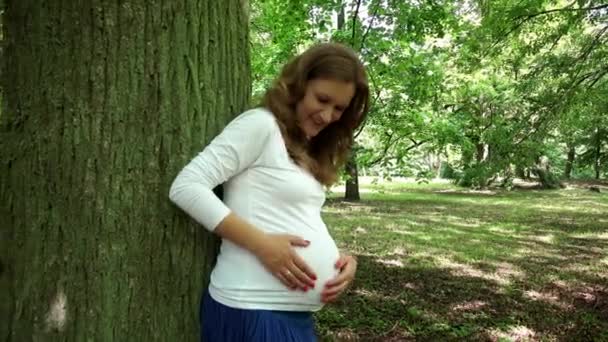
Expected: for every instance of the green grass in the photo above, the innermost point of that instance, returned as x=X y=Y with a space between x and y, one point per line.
x=439 y=263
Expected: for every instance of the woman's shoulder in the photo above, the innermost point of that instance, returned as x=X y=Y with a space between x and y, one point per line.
x=258 y=115
x=259 y=121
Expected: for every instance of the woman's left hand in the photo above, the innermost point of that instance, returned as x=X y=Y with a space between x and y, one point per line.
x=347 y=264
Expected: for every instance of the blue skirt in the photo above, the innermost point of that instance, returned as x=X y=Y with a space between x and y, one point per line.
x=221 y=323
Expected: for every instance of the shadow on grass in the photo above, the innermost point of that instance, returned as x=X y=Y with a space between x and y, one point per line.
x=429 y=304
x=472 y=267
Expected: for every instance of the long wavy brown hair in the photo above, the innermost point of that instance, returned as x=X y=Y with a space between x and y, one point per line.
x=324 y=154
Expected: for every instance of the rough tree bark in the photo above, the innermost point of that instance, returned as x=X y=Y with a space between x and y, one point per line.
x=103 y=103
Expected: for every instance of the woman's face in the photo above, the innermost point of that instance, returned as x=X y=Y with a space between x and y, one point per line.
x=324 y=102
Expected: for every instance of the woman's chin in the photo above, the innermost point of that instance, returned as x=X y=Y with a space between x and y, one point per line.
x=311 y=134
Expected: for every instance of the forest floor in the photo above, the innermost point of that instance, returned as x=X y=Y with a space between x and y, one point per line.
x=441 y=263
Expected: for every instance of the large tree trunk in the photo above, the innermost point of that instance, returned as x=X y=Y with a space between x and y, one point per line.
x=103 y=103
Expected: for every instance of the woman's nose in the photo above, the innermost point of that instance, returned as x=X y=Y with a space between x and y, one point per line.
x=326 y=115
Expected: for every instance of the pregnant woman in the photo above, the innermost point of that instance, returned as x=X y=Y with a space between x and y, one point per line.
x=277 y=262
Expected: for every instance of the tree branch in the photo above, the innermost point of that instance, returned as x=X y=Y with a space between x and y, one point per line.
x=525 y=18
x=563 y=9
x=371 y=22
x=415 y=144
x=599 y=77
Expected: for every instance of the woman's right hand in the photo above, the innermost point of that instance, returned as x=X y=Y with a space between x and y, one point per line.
x=277 y=254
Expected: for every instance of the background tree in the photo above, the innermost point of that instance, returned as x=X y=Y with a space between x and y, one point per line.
x=478 y=91
x=103 y=103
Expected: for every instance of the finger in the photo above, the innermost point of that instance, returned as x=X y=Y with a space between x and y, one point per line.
x=301 y=276
x=329 y=299
x=341 y=261
x=303 y=266
x=294 y=280
x=346 y=273
x=340 y=278
x=345 y=260
x=330 y=291
x=285 y=281
x=298 y=241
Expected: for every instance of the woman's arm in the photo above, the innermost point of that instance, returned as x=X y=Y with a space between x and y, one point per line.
x=237 y=147
x=275 y=251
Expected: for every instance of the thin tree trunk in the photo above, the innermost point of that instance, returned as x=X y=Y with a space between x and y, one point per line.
x=520 y=172
x=480 y=154
x=103 y=103
x=569 y=161
x=598 y=153
x=351 y=192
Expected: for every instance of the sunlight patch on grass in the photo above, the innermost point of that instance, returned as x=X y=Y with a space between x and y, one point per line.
x=549 y=238
x=467 y=224
x=393 y=226
x=512 y=232
x=369 y=294
x=391 y=262
x=412 y=223
x=548 y=207
x=591 y=204
x=442 y=219
x=582 y=268
x=467 y=191
x=505 y=269
x=405 y=232
x=360 y=230
x=343 y=335
x=547 y=297
x=589 y=235
x=518 y=333
x=580 y=206
x=472 y=305
x=398 y=251
x=501 y=230
x=502 y=276
x=591 y=294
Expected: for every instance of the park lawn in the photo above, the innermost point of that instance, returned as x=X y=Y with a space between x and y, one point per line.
x=440 y=263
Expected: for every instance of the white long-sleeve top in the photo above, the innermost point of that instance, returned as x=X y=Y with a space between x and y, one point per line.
x=263 y=186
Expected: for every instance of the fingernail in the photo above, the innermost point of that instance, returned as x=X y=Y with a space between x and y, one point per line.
x=307 y=242
x=314 y=277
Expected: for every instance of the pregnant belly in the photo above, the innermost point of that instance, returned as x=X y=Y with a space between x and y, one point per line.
x=321 y=255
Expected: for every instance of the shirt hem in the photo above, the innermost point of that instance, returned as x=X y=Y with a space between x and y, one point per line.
x=240 y=304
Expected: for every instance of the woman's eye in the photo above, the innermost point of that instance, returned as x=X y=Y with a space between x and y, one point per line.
x=322 y=99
